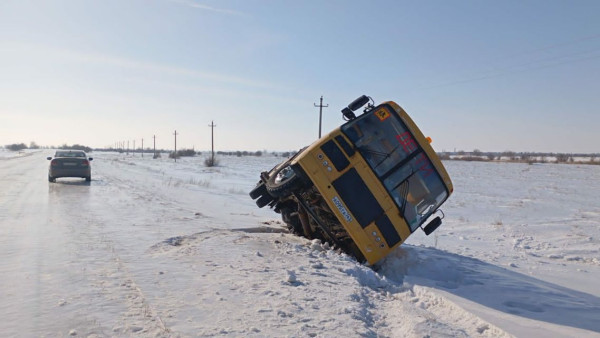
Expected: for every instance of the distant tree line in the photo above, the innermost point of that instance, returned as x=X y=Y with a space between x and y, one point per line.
x=240 y=153
x=253 y=153
x=184 y=153
x=16 y=146
x=33 y=145
x=522 y=157
x=76 y=147
x=191 y=152
x=137 y=150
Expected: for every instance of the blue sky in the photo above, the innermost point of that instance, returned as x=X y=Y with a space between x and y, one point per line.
x=488 y=75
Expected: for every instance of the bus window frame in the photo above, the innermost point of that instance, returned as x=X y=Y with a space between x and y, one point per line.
x=416 y=151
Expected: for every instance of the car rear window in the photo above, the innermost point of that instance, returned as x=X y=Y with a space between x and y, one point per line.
x=69 y=154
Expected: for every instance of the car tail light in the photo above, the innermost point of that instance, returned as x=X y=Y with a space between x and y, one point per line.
x=54 y=163
x=85 y=163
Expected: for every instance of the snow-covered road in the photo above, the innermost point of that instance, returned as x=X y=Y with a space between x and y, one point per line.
x=65 y=250
x=156 y=248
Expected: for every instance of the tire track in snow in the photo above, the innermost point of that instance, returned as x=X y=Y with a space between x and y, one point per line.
x=111 y=293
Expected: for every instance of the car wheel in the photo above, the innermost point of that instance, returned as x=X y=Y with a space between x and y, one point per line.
x=51 y=179
x=89 y=178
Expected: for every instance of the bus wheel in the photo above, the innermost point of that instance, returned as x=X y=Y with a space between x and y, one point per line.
x=282 y=181
x=258 y=191
x=264 y=200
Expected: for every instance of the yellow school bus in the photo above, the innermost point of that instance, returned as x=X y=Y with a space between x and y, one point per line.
x=365 y=187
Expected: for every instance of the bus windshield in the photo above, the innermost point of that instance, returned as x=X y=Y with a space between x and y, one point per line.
x=398 y=160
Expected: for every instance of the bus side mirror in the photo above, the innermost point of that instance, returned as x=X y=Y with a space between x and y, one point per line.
x=348 y=114
x=355 y=105
x=431 y=226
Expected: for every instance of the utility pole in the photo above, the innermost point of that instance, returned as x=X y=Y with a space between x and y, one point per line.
x=142 y=147
x=212 y=126
x=175 y=153
x=320 y=112
x=154 y=138
x=127 y=147
x=133 y=152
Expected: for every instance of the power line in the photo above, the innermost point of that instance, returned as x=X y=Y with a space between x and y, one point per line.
x=556 y=45
x=536 y=64
x=509 y=72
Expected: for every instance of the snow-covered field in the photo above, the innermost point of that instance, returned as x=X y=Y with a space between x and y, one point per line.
x=156 y=248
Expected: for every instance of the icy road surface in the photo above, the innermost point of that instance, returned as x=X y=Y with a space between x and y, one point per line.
x=155 y=248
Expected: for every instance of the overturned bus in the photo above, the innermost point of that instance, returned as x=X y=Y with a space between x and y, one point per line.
x=365 y=187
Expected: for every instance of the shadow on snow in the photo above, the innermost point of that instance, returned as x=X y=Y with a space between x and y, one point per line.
x=493 y=286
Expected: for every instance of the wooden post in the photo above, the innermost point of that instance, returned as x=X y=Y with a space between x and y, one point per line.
x=175 y=153
x=154 y=138
x=320 y=112
x=212 y=126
